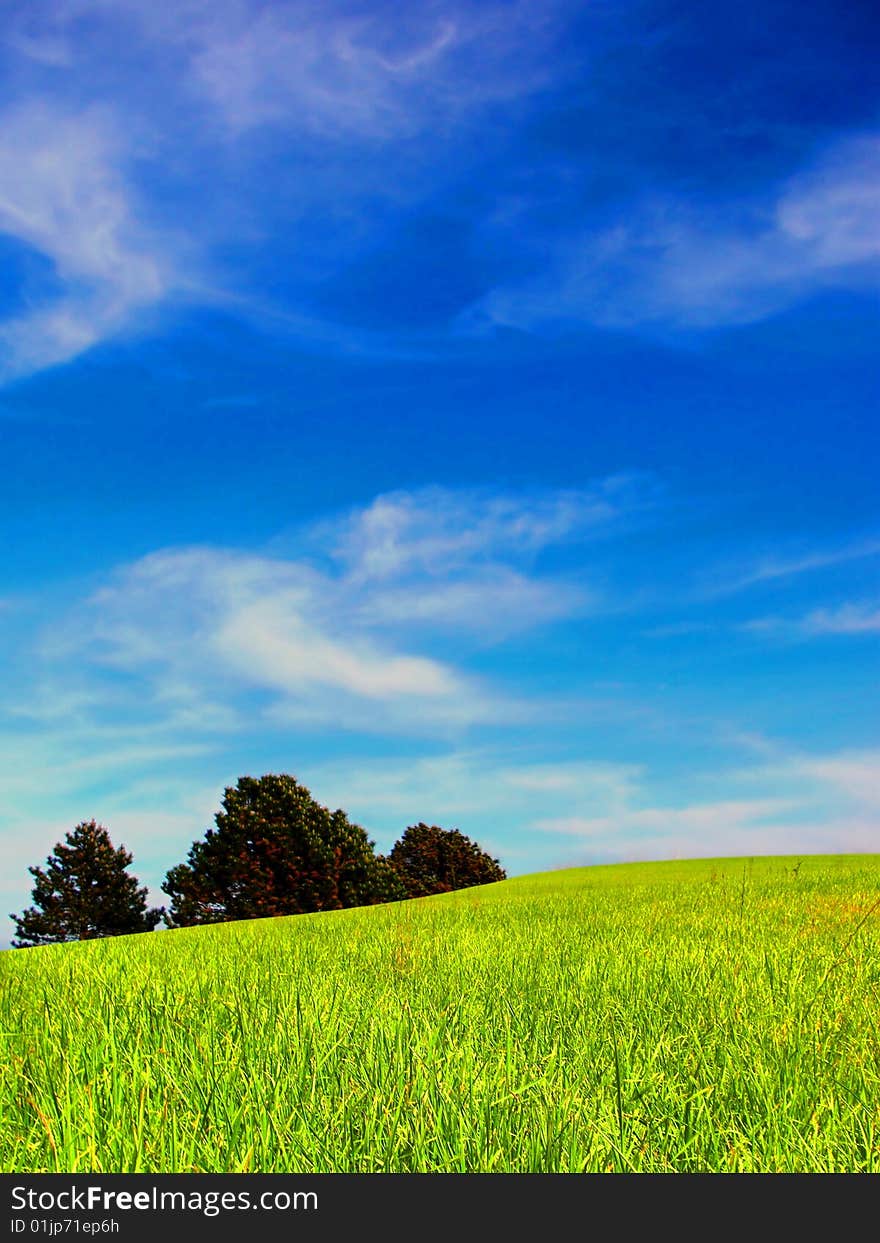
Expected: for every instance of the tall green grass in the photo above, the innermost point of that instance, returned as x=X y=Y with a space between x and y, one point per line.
x=716 y=1015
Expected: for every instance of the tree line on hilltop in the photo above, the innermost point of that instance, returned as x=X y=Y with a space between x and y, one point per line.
x=274 y=851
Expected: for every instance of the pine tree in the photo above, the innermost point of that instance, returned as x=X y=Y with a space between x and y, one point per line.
x=84 y=892
x=429 y=860
x=276 y=851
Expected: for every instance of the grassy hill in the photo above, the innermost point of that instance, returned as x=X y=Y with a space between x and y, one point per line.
x=707 y=1015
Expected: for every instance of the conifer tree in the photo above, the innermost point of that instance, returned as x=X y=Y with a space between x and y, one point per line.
x=429 y=860
x=276 y=851
x=84 y=892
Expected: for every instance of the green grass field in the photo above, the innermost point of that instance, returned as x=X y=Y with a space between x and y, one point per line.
x=717 y=1015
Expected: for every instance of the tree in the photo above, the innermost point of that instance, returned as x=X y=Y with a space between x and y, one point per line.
x=84 y=892
x=276 y=851
x=430 y=860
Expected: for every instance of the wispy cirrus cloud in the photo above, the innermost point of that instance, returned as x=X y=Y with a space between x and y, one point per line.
x=133 y=118
x=838 y=786
x=378 y=74
x=496 y=600
x=693 y=265
x=712 y=830
x=64 y=196
x=845 y=619
x=358 y=117
x=336 y=631
x=700 y=820
x=210 y=625
x=270 y=642
x=174 y=667
x=774 y=567
x=436 y=530
x=595 y=812
x=496 y=793
x=793 y=803
x=853 y=775
x=333 y=69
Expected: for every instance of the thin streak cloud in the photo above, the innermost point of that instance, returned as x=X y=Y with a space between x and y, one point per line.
x=64 y=196
x=696 y=266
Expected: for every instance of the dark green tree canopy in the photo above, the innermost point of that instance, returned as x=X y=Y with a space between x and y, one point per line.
x=84 y=892
x=430 y=860
x=276 y=851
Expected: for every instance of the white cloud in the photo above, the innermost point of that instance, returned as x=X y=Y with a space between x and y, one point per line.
x=265 y=123
x=436 y=530
x=318 y=70
x=270 y=643
x=225 y=620
x=702 y=820
x=826 y=804
x=499 y=601
x=773 y=567
x=70 y=768
x=849 y=780
x=331 y=70
x=833 y=210
x=856 y=776
x=339 y=73
x=489 y=794
x=846 y=619
x=551 y=814
x=791 y=803
x=670 y=262
x=63 y=195
x=335 y=639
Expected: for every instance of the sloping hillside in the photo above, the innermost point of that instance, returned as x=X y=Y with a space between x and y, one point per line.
x=704 y=1015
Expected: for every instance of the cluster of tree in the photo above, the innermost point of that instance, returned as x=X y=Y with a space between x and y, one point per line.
x=274 y=851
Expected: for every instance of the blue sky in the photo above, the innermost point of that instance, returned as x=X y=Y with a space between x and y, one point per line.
x=471 y=412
